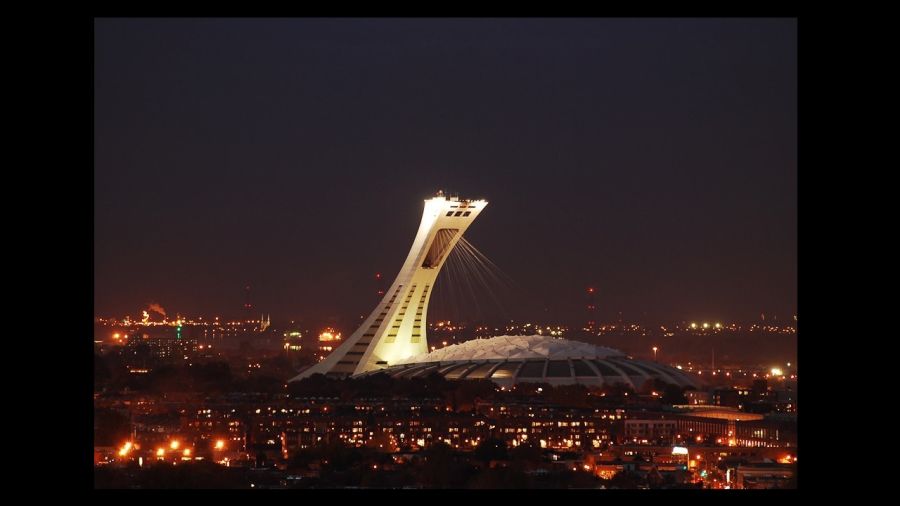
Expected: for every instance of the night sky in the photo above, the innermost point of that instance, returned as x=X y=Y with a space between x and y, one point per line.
x=653 y=159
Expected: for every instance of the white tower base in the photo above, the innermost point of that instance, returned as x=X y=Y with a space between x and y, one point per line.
x=396 y=328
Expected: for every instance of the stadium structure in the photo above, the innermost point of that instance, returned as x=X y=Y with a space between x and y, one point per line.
x=393 y=340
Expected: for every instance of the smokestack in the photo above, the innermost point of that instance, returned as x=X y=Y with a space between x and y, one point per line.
x=248 y=307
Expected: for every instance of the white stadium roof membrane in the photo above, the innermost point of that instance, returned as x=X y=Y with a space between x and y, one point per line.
x=514 y=347
x=507 y=360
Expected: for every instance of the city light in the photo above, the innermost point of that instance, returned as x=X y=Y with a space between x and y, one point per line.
x=329 y=334
x=727 y=410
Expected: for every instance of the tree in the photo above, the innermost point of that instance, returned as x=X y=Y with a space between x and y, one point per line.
x=102 y=374
x=443 y=468
x=626 y=479
x=673 y=395
x=617 y=390
x=111 y=428
x=569 y=395
x=527 y=453
x=317 y=385
x=491 y=449
x=500 y=478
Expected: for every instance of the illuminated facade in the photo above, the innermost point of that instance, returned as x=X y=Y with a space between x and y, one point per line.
x=396 y=330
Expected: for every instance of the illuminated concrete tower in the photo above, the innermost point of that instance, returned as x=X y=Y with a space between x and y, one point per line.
x=396 y=328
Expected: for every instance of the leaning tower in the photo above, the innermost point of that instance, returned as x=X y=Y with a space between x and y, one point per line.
x=395 y=329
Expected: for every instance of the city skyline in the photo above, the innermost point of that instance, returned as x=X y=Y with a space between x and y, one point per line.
x=622 y=316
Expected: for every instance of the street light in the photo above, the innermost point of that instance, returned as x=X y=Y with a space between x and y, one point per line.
x=654 y=353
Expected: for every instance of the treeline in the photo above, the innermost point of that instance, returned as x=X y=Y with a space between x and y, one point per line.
x=214 y=377
x=491 y=465
x=110 y=374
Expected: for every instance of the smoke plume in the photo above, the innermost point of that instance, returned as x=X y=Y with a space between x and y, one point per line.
x=157 y=308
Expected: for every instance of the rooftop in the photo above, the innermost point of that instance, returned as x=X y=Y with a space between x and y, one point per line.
x=514 y=347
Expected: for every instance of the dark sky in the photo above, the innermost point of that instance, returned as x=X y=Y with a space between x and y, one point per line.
x=653 y=158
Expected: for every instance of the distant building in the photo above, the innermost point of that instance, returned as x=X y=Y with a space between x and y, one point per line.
x=764 y=475
x=727 y=397
x=293 y=340
x=158 y=345
x=650 y=430
x=698 y=397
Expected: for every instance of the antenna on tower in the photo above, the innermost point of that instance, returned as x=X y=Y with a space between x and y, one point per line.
x=379 y=285
x=248 y=307
x=591 y=309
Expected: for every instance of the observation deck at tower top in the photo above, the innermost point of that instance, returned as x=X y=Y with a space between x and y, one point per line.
x=455 y=198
